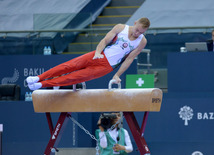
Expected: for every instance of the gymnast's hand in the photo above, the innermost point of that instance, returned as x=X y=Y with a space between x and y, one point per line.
x=98 y=56
x=116 y=77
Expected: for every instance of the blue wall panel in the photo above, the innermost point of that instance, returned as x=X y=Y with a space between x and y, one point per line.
x=26 y=132
x=165 y=132
x=191 y=72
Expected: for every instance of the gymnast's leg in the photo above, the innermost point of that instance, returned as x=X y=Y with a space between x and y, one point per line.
x=94 y=69
x=64 y=68
x=79 y=76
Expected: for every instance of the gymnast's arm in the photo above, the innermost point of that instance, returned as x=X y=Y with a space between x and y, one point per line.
x=125 y=65
x=107 y=39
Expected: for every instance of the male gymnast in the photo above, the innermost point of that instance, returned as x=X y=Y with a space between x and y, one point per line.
x=120 y=46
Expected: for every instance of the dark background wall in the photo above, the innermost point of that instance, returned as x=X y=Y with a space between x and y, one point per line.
x=26 y=132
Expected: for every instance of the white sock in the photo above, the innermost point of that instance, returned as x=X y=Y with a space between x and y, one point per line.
x=32 y=79
x=35 y=86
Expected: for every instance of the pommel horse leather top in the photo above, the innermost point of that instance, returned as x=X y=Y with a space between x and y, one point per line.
x=97 y=100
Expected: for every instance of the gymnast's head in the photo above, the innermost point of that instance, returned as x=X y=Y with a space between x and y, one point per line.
x=140 y=26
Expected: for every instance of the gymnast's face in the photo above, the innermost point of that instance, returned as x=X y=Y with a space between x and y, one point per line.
x=138 y=29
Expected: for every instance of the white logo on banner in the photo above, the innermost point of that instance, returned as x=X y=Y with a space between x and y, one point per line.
x=12 y=79
x=139 y=82
x=205 y=116
x=186 y=113
x=197 y=153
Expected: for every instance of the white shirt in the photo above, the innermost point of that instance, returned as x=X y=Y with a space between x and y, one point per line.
x=114 y=135
x=121 y=47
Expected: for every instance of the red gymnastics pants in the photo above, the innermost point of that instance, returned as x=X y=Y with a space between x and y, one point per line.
x=77 y=70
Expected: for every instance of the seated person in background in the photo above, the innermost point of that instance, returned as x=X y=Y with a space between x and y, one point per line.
x=116 y=141
x=210 y=43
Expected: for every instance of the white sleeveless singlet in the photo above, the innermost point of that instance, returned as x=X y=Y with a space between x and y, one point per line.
x=120 y=47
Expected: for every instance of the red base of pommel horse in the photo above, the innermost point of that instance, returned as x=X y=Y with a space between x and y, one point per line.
x=97 y=100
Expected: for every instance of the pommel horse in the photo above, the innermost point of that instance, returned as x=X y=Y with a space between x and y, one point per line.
x=98 y=100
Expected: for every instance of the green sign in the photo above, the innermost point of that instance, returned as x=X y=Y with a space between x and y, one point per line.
x=140 y=81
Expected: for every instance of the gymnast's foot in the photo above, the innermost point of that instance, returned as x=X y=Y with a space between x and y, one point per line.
x=35 y=86
x=32 y=79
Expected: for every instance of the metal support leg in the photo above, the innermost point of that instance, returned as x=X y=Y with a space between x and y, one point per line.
x=145 y=117
x=56 y=133
x=1 y=131
x=0 y=143
x=135 y=129
x=50 y=124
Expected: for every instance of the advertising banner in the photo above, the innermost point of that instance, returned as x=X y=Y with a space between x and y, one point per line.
x=140 y=81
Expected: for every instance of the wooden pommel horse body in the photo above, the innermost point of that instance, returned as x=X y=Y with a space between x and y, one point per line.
x=98 y=100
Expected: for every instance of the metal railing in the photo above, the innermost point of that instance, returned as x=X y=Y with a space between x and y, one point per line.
x=56 y=31
x=149 y=31
x=147 y=64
